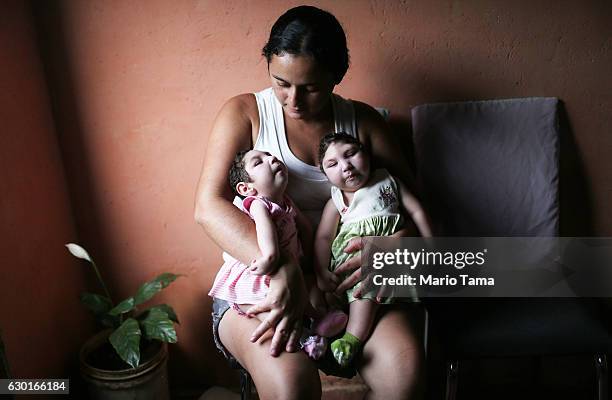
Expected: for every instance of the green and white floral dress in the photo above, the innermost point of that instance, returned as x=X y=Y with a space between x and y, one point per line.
x=374 y=211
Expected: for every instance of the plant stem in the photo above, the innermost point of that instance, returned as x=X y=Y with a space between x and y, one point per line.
x=102 y=282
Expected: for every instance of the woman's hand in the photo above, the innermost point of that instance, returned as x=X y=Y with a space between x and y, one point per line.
x=285 y=302
x=354 y=264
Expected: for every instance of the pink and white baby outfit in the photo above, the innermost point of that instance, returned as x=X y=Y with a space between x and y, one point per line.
x=234 y=282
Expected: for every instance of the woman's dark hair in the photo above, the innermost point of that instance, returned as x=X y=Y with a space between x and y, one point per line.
x=310 y=31
x=337 y=137
x=238 y=171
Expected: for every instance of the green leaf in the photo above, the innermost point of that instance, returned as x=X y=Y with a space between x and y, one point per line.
x=166 y=278
x=151 y=288
x=147 y=291
x=123 y=307
x=96 y=303
x=168 y=310
x=157 y=325
x=126 y=341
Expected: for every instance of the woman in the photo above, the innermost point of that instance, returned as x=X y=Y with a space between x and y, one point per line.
x=307 y=56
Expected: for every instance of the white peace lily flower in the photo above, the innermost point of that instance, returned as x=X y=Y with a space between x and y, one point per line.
x=78 y=251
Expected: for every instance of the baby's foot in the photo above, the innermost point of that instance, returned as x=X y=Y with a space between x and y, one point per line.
x=345 y=349
x=331 y=324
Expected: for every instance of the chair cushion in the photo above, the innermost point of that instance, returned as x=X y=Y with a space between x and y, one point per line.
x=489 y=168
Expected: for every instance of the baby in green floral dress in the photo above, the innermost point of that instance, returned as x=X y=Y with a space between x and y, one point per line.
x=363 y=203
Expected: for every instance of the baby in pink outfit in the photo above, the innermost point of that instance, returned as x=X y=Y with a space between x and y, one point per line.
x=261 y=179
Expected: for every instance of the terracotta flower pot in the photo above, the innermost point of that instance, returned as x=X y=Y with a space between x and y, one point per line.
x=108 y=379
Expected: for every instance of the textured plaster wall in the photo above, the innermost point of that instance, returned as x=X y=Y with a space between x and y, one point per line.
x=136 y=86
x=42 y=322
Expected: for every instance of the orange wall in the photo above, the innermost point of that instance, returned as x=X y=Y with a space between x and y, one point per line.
x=42 y=322
x=136 y=86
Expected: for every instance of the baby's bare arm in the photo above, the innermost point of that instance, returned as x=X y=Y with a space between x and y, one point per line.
x=326 y=280
x=267 y=239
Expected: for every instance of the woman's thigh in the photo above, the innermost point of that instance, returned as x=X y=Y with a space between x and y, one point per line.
x=288 y=376
x=391 y=362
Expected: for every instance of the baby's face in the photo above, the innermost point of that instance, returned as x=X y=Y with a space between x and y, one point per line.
x=346 y=166
x=268 y=174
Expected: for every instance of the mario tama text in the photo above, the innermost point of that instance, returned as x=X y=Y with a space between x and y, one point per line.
x=431 y=280
x=421 y=263
x=489 y=266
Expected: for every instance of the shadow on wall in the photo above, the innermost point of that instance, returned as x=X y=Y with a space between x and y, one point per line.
x=575 y=200
x=88 y=200
x=65 y=105
x=70 y=135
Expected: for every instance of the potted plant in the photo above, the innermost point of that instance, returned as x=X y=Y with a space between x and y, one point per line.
x=127 y=358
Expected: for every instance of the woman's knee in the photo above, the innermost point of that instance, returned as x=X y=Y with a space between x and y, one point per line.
x=392 y=359
x=291 y=382
x=289 y=376
x=393 y=374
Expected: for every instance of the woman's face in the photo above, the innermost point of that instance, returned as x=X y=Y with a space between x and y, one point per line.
x=301 y=85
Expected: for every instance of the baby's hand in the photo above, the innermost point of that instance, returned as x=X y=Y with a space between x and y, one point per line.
x=264 y=265
x=327 y=281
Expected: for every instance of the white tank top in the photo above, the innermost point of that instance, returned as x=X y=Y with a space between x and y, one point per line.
x=308 y=187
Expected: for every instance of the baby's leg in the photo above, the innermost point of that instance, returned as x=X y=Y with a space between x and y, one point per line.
x=359 y=327
x=361 y=318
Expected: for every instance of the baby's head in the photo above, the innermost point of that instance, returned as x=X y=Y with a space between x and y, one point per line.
x=258 y=173
x=344 y=161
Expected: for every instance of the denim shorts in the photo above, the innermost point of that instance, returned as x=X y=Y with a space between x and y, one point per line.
x=327 y=364
x=219 y=308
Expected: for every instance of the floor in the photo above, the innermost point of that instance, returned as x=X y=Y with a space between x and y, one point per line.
x=333 y=389
x=557 y=378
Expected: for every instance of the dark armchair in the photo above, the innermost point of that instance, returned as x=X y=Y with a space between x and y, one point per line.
x=491 y=168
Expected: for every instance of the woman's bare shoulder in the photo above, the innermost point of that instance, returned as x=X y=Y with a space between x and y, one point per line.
x=243 y=104
x=241 y=110
x=386 y=150
x=364 y=108
x=369 y=122
x=367 y=117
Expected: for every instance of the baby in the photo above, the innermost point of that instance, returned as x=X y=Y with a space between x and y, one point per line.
x=363 y=203
x=261 y=179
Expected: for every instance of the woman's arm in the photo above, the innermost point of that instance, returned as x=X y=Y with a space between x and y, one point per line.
x=414 y=210
x=225 y=224
x=234 y=231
